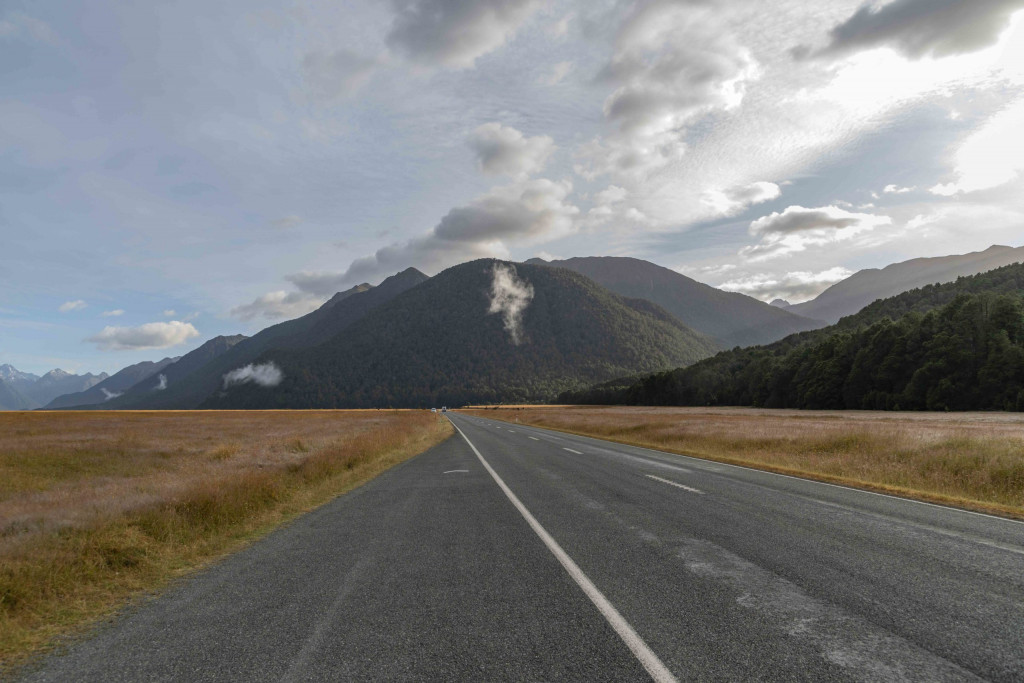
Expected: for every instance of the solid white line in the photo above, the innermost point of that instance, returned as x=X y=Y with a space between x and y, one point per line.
x=658 y=671
x=676 y=484
x=535 y=438
x=451 y=471
x=572 y=451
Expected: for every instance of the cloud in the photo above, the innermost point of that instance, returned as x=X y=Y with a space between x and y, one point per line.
x=69 y=306
x=113 y=314
x=921 y=28
x=170 y=313
x=733 y=200
x=672 y=63
x=527 y=212
x=792 y=286
x=503 y=150
x=509 y=296
x=797 y=228
x=454 y=33
x=555 y=74
x=332 y=75
x=277 y=305
x=107 y=394
x=896 y=189
x=991 y=156
x=148 y=336
x=264 y=375
x=161 y=383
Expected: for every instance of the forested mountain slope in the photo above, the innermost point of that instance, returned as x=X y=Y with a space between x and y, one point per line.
x=956 y=346
x=440 y=344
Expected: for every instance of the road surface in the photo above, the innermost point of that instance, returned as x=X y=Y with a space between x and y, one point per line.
x=515 y=553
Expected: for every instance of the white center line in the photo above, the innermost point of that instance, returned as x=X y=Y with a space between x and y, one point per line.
x=535 y=438
x=451 y=471
x=658 y=671
x=572 y=451
x=676 y=484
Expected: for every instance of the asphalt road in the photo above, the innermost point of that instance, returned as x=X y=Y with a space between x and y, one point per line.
x=513 y=553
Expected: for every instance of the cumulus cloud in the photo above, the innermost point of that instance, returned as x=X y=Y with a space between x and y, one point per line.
x=454 y=33
x=797 y=228
x=331 y=75
x=149 y=336
x=672 y=63
x=279 y=304
x=264 y=375
x=68 y=306
x=503 y=150
x=921 y=28
x=113 y=314
x=733 y=200
x=794 y=286
x=510 y=296
x=527 y=212
x=896 y=189
x=991 y=156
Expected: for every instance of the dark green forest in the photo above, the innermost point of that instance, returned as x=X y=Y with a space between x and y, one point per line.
x=955 y=346
x=436 y=344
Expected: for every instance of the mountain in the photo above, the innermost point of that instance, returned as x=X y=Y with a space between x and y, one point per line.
x=11 y=398
x=335 y=315
x=111 y=387
x=731 y=318
x=860 y=289
x=953 y=346
x=439 y=344
x=57 y=383
x=148 y=392
x=13 y=376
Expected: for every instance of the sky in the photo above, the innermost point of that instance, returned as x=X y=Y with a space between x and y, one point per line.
x=170 y=172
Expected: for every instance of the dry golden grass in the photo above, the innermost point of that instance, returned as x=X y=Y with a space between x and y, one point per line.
x=96 y=507
x=973 y=460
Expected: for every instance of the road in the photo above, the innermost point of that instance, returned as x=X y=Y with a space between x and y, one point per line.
x=515 y=553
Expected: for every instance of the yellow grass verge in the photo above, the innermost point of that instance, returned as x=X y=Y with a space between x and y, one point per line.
x=969 y=460
x=98 y=507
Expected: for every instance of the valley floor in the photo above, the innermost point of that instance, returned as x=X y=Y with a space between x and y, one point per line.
x=970 y=460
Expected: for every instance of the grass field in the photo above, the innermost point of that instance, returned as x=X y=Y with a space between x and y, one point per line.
x=971 y=460
x=98 y=507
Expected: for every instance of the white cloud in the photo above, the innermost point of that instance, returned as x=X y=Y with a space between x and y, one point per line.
x=454 y=33
x=331 y=75
x=277 y=305
x=68 y=306
x=503 y=150
x=991 y=156
x=510 y=295
x=170 y=313
x=107 y=394
x=923 y=28
x=148 y=336
x=161 y=383
x=735 y=199
x=896 y=189
x=528 y=212
x=795 y=286
x=797 y=228
x=556 y=73
x=113 y=314
x=264 y=375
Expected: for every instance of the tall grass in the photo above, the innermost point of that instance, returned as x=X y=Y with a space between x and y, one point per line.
x=98 y=507
x=975 y=460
